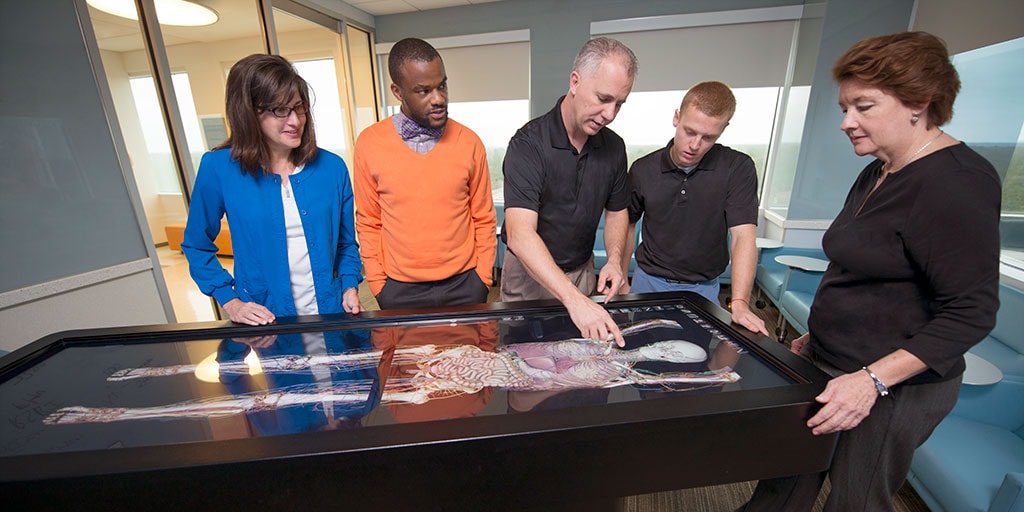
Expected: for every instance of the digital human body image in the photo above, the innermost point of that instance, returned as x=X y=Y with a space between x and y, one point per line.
x=440 y=371
x=178 y=387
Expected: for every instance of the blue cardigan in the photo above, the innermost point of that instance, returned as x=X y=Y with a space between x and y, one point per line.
x=255 y=212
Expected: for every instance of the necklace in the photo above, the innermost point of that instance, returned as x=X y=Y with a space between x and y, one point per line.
x=918 y=152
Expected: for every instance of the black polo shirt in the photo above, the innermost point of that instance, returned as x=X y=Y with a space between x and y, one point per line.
x=569 y=190
x=686 y=217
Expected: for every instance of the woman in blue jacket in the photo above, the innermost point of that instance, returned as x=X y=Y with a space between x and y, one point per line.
x=288 y=205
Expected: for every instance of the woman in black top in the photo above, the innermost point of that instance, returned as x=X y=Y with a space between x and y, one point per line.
x=913 y=278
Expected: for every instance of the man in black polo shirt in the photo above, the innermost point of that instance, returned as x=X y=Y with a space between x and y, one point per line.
x=692 y=194
x=562 y=171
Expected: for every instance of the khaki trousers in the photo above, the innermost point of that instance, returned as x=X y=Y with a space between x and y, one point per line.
x=517 y=285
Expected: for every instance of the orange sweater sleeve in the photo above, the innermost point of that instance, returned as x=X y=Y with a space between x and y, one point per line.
x=368 y=223
x=482 y=210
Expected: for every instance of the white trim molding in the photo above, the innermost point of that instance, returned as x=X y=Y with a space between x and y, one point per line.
x=508 y=36
x=778 y=219
x=704 y=19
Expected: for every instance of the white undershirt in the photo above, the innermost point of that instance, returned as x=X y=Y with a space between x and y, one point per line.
x=303 y=292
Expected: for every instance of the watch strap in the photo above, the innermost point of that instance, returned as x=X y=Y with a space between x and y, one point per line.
x=882 y=389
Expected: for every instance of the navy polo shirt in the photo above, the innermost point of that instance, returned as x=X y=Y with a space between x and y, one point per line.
x=687 y=215
x=569 y=190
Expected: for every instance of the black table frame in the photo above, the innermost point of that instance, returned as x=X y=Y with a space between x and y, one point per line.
x=563 y=459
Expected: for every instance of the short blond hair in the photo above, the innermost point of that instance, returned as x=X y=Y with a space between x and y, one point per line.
x=712 y=98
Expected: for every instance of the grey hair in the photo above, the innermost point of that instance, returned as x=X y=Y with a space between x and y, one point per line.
x=600 y=48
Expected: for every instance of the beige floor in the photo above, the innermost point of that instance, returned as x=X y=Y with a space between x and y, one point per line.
x=190 y=305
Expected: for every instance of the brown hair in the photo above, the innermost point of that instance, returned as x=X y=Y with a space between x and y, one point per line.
x=714 y=99
x=912 y=66
x=256 y=83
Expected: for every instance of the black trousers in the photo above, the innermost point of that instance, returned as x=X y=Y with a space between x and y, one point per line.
x=871 y=460
x=460 y=289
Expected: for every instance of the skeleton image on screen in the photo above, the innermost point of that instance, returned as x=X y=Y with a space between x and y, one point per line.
x=438 y=371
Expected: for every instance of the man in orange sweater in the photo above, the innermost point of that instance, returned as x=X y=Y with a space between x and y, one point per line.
x=424 y=214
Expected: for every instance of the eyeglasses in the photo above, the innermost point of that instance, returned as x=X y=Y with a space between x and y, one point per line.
x=300 y=110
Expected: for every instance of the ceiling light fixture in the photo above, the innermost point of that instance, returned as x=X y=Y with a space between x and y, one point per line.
x=168 y=12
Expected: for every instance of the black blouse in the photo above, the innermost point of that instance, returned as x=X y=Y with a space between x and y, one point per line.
x=916 y=268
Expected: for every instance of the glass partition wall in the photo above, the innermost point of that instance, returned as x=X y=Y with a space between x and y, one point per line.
x=167 y=82
x=315 y=46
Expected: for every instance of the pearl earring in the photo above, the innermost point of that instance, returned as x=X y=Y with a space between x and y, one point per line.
x=914 y=119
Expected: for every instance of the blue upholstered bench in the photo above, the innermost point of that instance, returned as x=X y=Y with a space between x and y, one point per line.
x=974 y=461
x=770 y=273
x=791 y=290
x=601 y=255
x=797 y=295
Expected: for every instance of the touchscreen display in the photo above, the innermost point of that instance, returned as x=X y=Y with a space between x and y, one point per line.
x=116 y=394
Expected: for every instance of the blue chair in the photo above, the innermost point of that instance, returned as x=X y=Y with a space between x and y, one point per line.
x=771 y=274
x=601 y=255
x=974 y=460
x=798 y=289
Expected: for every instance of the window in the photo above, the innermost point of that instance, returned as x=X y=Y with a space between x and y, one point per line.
x=645 y=123
x=749 y=50
x=495 y=122
x=787 y=150
x=152 y=123
x=328 y=116
x=989 y=116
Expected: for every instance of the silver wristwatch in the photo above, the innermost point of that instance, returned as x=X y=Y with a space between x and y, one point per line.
x=882 y=390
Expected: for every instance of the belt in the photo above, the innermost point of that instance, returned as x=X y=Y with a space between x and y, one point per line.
x=570 y=269
x=708 y=282
x=563 y=268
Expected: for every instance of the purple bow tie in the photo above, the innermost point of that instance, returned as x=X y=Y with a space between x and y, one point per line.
x=410 y=129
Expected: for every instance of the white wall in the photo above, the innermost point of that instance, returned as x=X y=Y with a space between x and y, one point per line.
x=125 y=300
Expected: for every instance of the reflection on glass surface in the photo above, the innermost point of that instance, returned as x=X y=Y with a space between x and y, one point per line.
x=412 y=351
x=123 y=395
x=169 y=12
